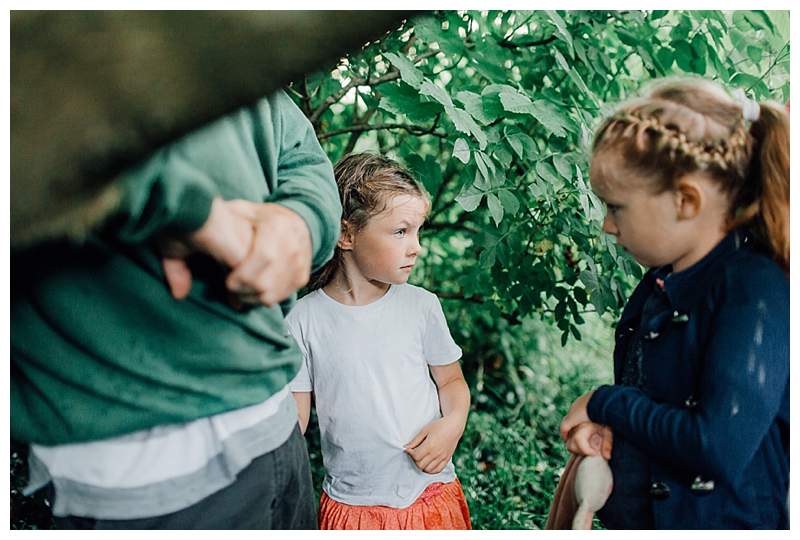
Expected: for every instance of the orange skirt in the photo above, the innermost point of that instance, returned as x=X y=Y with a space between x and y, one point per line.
x=440 y=506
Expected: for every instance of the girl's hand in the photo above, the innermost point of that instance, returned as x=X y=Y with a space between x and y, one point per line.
x=590 y=439
x=434 y=445
x=577 y=415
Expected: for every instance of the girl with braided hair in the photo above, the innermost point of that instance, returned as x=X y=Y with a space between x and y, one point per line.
x=696 y=184
x=381 y=364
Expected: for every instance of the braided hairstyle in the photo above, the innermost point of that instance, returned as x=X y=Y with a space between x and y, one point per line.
x=366 y=184
x=680 y=126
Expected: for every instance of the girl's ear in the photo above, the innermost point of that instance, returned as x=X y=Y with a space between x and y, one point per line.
x=345 y=241
x=689 y=198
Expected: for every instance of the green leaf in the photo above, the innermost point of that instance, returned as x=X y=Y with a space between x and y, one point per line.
x=683 y=55
x=754 y=53
x=581 y=84
x=514 y=101
x=580 y=295
x=522 y=144
x=580 y=50
x=490 y=66
x=427 y=28
x=465 y=124
x=469 y=198
x=509 y=201
x=583 y=199
x=749 y=82
x=665 y=57
x=503 y=157
x=409 y=73
x=561 y=27
x=427 y=170
x=495 y=208
x=589 y=279
x=575 y=332
x=755 y=20
x=461 y=151
x=492 y=106
x=657 y=14
x=561 y=310
x=400 y=98
x=681 y=30
x=473 y=104
x=487 y=258
x=481 y=181
x=485 y=165
x=563 y=166
x=428 y=88
x=627 y=38
x=700 y=49
x=549 y=116
x=647 y=58
x=548 y=173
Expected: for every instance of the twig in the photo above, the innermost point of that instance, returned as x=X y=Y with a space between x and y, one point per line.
x=360 y=128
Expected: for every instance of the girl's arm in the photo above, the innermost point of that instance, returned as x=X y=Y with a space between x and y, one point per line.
x=453 y=392
x=433 y=446
x=742 y=388
x=303 y=400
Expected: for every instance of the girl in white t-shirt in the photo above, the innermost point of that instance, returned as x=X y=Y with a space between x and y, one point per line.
x=379 y=359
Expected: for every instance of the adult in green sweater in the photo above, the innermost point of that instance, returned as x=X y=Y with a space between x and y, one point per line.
x=150 y=362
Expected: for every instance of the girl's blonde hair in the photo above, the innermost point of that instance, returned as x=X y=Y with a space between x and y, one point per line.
x=680 y=126
x=366 y=183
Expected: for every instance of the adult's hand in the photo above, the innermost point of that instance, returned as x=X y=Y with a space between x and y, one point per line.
x=226 y=236
x=279 y=261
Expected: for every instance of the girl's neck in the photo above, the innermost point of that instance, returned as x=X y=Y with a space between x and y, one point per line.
x=703 y=245
x=353 y=289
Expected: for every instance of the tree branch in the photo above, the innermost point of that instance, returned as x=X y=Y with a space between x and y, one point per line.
x=360 y=128
x=525 y=44
x=351 y=142
x=358 y=81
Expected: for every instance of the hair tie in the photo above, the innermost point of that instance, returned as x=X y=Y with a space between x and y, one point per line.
x=751 y=110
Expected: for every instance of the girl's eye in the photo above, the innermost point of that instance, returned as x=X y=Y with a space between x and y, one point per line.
x=400 y=232
x=612 y=208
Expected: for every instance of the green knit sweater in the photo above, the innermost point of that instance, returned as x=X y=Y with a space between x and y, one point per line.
x=99 y=347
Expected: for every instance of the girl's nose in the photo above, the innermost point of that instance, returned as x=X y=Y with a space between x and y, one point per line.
x=414 y=248
x=609 y=227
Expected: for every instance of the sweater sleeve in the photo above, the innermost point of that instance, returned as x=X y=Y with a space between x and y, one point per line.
x=740 y=392
x=306 y=183
x=161 y=196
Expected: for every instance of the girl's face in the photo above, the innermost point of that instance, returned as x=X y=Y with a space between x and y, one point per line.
x=386 y=249
x=644 y=223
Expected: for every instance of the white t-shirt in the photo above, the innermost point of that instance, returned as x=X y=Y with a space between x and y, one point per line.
x=368 y=369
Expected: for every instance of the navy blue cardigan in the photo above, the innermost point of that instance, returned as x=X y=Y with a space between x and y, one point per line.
x=713 y=415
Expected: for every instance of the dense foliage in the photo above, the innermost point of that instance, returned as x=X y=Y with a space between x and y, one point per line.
x=494 y=111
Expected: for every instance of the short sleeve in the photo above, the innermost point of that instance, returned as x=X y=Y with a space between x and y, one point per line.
x=438 y=345
x=302 y=382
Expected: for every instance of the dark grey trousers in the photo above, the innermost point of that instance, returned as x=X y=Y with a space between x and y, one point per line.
x=273 y=492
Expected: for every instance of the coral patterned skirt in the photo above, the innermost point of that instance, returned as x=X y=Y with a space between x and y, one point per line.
x=440 y=506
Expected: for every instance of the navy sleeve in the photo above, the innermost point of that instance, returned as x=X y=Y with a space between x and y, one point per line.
x=742 y=383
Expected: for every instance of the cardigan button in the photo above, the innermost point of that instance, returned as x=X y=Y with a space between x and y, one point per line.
x=659 y=490
x=679 y=317
x=690 y=402
x=702 y=487
x=651 y=335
